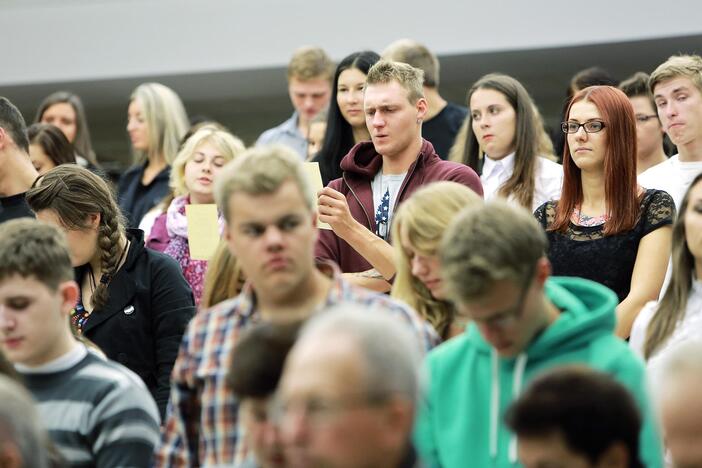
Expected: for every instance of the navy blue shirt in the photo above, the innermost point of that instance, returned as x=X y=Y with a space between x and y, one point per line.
x=441 y=129
x=135 y=198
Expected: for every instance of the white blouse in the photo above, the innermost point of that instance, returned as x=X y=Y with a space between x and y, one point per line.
x=548 y=178
x=690 y=327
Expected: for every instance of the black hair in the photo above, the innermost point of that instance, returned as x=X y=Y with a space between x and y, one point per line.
x=12 y=121
x=588 y=408
x=338 y=138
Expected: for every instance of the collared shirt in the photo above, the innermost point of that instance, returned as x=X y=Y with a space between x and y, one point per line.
x=548 y=178
x=202 y=422
x=288 y=134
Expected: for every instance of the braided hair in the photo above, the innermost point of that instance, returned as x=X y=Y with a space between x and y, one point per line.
x=73 y=193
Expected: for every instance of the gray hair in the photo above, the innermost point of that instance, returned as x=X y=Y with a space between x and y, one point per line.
x=390 y=352
x=20 y=424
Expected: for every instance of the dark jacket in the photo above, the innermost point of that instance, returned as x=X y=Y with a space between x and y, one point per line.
x=136 y=199
x=148 y=308
x=360 y=166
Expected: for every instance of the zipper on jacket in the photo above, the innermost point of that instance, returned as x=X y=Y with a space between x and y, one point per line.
x=357 y=199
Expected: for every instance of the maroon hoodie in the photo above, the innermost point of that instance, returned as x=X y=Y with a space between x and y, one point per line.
x=360 y=166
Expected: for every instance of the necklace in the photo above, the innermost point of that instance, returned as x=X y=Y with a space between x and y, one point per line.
x=79 y=315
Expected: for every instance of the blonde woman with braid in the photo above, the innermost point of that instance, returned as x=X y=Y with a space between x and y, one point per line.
x=417 y=229
x=133 y=302
x=662 y=326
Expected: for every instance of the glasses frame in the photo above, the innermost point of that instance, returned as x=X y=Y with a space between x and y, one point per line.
x=564 y=126
x=645 y=118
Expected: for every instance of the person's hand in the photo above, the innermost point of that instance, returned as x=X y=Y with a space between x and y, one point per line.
x=334 y=210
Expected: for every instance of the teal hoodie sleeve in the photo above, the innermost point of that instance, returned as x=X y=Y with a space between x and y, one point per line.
x=423 y=428
x=631 y=372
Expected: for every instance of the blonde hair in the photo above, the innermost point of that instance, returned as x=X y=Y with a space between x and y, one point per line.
x=688 y=66
x=262 y=170
x=422 y=220
x=309 y=63
x=224 y=277
x=410 y=78
x=413 y=53
x=226 y=143
x=165 y=118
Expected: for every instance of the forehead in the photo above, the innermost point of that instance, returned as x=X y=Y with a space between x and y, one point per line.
x=641 y=103
x=500 y=297
x=312 y=86
x=329 y=366
x=484 y=97
x=380 y=94
x=134 y=106
x=667 y=88
x=267 y=207
x=352 y=75
x=62 y=108
x=584 y=110
x=20 y=286
x=207 y=148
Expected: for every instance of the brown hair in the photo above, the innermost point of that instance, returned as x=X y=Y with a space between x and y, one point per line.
x=30 y=248
x=415 y=54
x=309 y=63
x=407 y=76
x=73 y=193
x=688 y=66
x=620 y=187
x=53 y=142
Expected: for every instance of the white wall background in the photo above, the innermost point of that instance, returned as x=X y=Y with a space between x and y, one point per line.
x=71 y=40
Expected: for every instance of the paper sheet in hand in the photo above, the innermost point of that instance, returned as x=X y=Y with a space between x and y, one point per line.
x=203 y=230
x=314 y=178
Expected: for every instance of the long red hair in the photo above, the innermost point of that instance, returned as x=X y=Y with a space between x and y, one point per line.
x=621 y=189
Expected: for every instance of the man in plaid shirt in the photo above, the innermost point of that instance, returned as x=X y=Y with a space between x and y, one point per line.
x=271 y=221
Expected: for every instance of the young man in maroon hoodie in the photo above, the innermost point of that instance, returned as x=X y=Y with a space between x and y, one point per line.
x=380 y=174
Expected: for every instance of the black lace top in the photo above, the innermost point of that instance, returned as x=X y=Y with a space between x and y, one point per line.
x=587 y=253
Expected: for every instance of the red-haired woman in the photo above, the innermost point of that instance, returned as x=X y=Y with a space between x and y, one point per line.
x=605 y=227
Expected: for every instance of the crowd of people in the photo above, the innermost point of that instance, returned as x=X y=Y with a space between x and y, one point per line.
x=460 y=293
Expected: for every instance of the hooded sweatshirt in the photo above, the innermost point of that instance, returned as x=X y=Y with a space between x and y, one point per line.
x=461 y=423
x=360 y=166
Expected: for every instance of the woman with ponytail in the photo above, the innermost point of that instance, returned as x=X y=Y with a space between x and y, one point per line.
x=134 y=303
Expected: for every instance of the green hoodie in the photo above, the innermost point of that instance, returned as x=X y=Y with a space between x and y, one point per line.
x=461 y=423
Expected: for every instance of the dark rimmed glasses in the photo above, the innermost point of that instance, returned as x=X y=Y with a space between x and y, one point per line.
x=591 y=126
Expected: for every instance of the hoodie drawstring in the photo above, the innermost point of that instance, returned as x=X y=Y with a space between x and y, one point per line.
x=494 y=405
x=519 y=368
x=518 y=378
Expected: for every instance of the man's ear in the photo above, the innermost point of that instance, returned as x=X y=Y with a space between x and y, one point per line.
x=422 y=108
x=69 y=296
x=4 y=138
x=543 y=270
x=616 y=456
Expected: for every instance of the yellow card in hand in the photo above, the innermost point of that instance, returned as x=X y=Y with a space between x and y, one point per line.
x=203 y=230
x=314 y=178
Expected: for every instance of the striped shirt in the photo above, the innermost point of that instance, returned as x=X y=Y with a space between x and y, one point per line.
x=202 y=420
x=97 y=412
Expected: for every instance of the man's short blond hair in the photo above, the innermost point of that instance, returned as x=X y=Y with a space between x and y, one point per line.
x=407 y=76
x=687 y=66
x=413 y=53
x=309 y=63
x=261 y=170
x=488 y=243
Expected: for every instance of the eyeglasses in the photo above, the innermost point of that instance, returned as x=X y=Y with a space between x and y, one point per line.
x=508 y=318
x=321 y=410
x=591 y=126
x=645 y=118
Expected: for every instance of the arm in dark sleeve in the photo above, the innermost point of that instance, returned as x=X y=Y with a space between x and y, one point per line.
x=172 y=307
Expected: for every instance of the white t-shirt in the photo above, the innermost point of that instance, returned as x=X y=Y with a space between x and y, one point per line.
x=382 y=186
x=690 y=327
x=548 y=179
x=672 y=175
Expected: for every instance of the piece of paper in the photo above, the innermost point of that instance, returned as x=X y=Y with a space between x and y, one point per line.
x=203 y=230
x=314 y=178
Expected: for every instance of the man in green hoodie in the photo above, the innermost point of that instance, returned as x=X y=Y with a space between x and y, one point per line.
x=496 y=271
